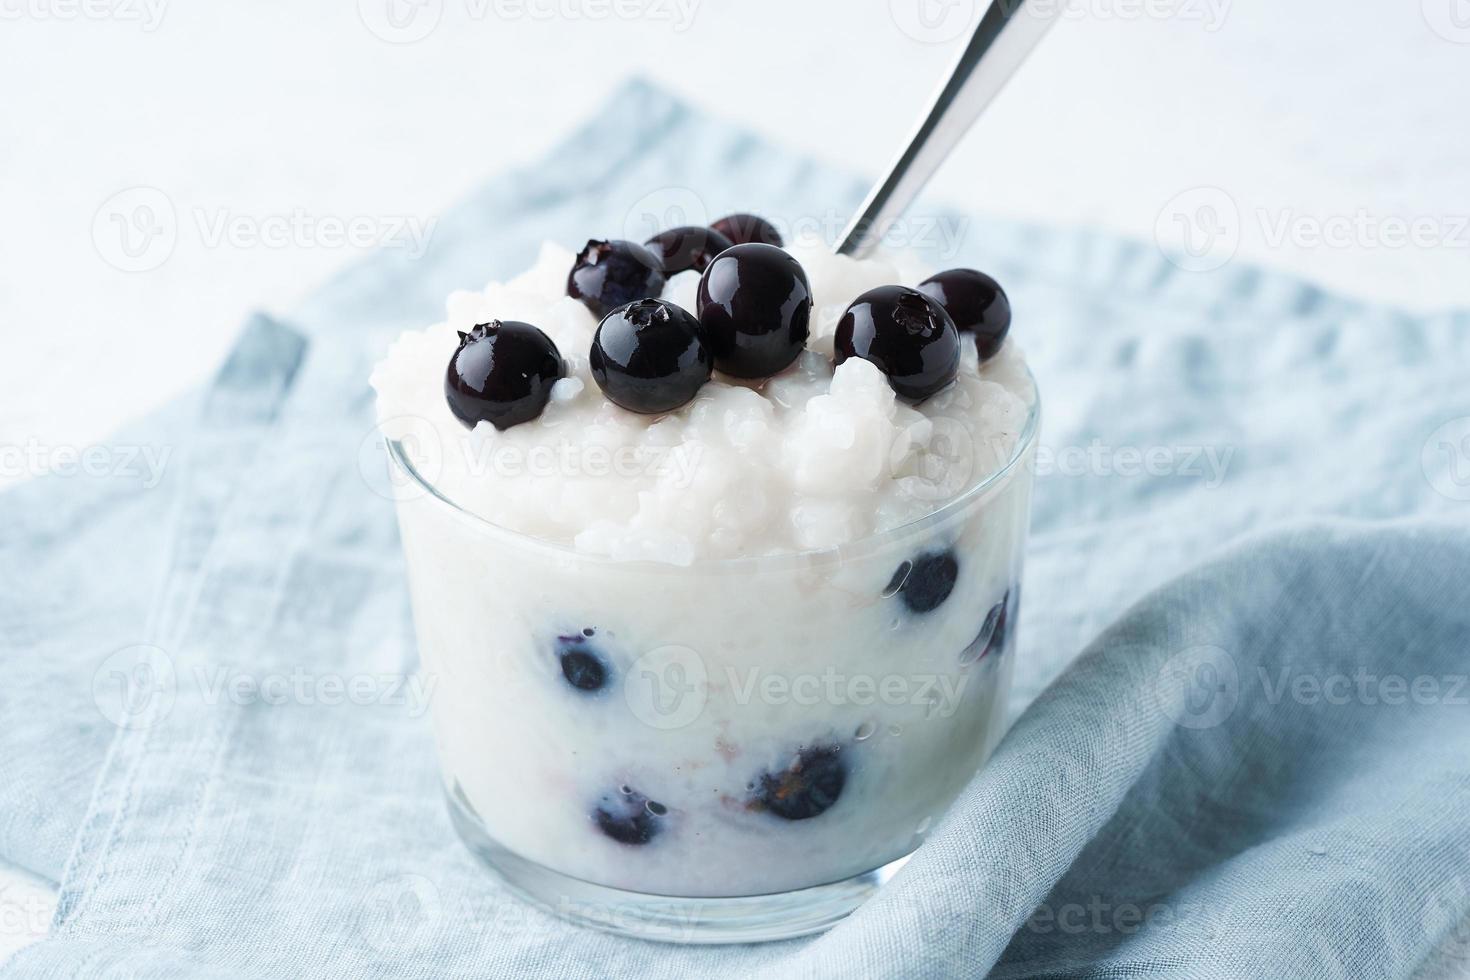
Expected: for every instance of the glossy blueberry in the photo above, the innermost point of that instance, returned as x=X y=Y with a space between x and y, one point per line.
x=608 y=274
x=806 y=788
x=581 y=664
x=687 y=247
x=906 y=334
x=648 y=357
x=993 y=632
x=976 y=304
x=502 y=373
x=755 y=310
x=925 y=582
x=629 y=817
x=742 y=229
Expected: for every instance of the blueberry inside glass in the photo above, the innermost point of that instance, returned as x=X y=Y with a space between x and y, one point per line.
x=699 y=647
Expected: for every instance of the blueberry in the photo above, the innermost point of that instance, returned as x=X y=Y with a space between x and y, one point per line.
x=742 y=229
x=629 y=817
x=648 y=357
x=687 y=247
x=928 y=582
x=993 y=633
x=755 y=310
x=906 y=334
x=976 y=304
x=806 y=788
x=1005 y=619
x=581 y=664
x=501 y=373
x=609 y=274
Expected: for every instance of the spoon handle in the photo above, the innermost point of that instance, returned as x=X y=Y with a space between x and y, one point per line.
x=1002 y=40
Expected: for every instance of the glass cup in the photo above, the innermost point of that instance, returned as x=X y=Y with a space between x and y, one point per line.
x=730 y=751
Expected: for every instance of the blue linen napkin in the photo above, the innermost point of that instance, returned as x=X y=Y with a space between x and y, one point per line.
x=1228 y=781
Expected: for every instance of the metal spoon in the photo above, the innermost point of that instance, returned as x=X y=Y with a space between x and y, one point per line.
x=1002 y=40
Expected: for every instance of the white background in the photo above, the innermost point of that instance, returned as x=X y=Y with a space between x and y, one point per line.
x=1343 y=115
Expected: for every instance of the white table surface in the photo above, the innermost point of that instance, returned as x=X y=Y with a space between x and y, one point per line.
x=1309 y=116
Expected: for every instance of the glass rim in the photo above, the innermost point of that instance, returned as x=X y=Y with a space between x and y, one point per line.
x=809 y=557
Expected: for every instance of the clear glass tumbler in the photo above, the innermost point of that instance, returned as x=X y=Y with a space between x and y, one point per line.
x=732 y=751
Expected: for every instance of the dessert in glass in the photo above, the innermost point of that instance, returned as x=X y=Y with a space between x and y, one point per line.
x=714 y=548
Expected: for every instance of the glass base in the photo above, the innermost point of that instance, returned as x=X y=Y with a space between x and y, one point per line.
x=665 y=918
